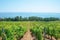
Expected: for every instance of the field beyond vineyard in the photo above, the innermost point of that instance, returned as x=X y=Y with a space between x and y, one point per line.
x=30 y=30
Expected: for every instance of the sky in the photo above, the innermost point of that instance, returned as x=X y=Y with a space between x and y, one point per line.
x=30 y=6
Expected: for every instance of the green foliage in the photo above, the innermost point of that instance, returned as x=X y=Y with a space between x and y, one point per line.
x=37 y=32
x=10 y=31
x=51 y=28
x=15 y=30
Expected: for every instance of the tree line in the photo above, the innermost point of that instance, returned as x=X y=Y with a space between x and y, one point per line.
x=31 y=18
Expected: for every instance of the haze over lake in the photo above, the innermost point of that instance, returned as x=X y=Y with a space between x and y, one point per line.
x=27 y=14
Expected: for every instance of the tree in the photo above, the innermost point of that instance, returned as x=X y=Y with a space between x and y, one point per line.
x=17 y=18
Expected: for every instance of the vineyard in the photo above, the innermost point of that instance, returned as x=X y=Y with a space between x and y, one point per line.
x=41 y=30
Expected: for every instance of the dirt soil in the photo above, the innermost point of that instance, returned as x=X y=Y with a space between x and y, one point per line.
x=0 y=38
x=27 y=36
